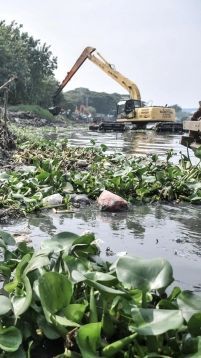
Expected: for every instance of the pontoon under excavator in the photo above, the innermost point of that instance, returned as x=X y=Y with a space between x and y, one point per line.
x=132 y=110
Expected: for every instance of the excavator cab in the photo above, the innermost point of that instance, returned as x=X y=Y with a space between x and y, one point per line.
x=126 y=107
x=131 y=105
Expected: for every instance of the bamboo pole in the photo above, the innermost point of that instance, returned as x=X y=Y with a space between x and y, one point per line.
x=4 y=88
x=13 y=78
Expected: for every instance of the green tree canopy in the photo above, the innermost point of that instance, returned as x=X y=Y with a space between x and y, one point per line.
x=177 y=108
x=102 y=102
x=31 y=61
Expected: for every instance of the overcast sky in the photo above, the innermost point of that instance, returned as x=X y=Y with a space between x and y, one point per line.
x=155 y=43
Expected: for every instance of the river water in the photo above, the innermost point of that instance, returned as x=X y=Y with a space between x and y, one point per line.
x=157 y=230
x=129 y=142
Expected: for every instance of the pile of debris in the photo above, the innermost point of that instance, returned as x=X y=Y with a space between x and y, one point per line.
x=10 y=214
x=28 y=118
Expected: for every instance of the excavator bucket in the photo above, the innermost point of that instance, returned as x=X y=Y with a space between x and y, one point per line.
x=55 y=110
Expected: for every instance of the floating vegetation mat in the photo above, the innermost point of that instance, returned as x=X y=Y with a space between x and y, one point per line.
x=65 y=301
x=44 y=167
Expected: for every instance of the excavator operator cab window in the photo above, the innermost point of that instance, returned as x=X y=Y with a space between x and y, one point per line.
x=129 y=106
x=126 y=107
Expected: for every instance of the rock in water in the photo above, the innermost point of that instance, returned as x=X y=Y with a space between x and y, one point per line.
x=52 y=200
x=81 y=199
x=111 y=202
x=82 y=163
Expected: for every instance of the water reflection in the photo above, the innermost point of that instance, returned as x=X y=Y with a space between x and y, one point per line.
x=129 y=142
x=43 y=222
x=169 y=231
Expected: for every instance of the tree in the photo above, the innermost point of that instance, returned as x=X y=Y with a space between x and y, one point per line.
x=102 y=102
x=47 y=89
x=91 y=110
x=31 y=61
x=176 y=107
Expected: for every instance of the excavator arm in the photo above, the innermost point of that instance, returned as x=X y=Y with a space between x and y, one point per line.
x=84 y=55
x=103 y=65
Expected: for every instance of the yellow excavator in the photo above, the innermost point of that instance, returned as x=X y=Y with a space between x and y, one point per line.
x=132 y=110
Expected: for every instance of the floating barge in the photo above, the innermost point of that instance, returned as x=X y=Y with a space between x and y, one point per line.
x=173 y=127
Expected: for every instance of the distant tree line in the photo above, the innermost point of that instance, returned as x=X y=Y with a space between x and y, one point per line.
x=102 y=102
x=31 y=61
x=181 y=114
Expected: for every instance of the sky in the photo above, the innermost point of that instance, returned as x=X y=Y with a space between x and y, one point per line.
x=155 y=43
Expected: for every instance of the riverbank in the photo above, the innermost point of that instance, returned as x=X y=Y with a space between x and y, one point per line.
x=35 y=116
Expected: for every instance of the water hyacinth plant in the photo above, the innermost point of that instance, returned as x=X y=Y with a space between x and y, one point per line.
x=65 y=301
x=43 y=168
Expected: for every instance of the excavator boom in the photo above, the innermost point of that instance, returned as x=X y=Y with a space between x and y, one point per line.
x=84 y=55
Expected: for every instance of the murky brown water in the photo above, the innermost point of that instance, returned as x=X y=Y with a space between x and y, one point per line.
x=170 y=231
